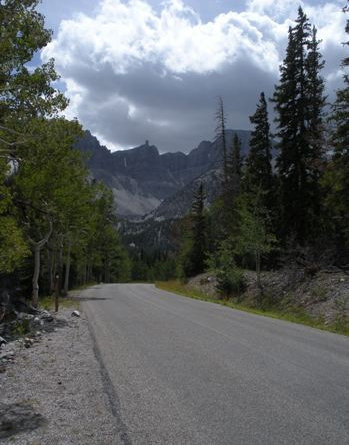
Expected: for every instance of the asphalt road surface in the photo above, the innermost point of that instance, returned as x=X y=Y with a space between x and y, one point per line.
x=181 y=371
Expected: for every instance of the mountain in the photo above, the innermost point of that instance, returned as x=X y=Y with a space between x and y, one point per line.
x=147 y=182
x=178 y=204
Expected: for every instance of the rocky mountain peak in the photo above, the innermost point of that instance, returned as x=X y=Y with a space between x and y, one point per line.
x=142 y=178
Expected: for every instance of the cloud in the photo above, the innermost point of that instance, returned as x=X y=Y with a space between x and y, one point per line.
x=132 y=73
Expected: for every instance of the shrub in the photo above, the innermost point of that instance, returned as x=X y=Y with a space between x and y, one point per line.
x=230 y=281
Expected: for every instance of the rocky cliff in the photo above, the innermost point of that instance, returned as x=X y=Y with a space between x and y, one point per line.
x=144 y=180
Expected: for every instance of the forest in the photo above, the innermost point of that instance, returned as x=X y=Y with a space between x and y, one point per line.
x=286 y=203
x=56 y=223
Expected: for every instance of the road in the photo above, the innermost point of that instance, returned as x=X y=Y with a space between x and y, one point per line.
x=182 y=371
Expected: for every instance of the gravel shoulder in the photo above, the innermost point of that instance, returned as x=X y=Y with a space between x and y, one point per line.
x=58 y=384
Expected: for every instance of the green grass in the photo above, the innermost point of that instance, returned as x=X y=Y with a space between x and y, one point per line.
x=69 y=301
x=294 y=315
x=48 y=303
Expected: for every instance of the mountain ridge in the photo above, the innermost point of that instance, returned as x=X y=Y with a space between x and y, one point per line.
x=142 y=178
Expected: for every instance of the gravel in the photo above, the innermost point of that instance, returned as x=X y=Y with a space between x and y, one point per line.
x=57 y=379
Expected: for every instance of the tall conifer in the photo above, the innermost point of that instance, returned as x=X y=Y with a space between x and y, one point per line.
x=258 y=172
x=234 y=166
x=337 y=176
x=298 y=103
x=221 y=137
x=199 y=232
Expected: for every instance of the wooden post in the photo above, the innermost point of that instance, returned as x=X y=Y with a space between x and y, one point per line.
x=56 y=292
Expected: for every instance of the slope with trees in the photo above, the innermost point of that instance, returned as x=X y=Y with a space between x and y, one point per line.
x=51 y=215
x=290 y=217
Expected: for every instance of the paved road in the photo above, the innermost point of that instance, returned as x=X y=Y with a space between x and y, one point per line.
x=181 y=371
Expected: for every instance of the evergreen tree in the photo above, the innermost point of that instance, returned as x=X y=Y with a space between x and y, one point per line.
x=299 y=101
x=235 y=163
x=221 y=138
x=234 y=168
x=194 y=250
x=341 y=113
x=258 y=173
x=315 y=156
x=337 y=175
x=199 y=232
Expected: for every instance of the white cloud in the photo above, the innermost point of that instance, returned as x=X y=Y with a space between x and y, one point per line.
x=132 y=73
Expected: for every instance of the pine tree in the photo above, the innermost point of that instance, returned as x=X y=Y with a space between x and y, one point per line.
x=299 y=101
x=224 y=203
x=194 y=250
x=199 y=232
x=315 y=156
x=221 y=138
x=234 y=167
x=337 y=175
x=258 y=173
x=341 y=112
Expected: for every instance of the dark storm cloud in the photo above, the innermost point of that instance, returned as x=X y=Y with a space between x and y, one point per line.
x=133 y=74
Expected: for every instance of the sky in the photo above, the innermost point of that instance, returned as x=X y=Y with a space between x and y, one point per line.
x=137 y=70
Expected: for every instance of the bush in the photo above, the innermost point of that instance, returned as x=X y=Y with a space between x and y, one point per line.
x=230 y=281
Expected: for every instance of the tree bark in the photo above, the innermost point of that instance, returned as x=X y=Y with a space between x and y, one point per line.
x=52 y=272
x=37 y=249
x=67 y=267
x=60 y=261
x=37 y=246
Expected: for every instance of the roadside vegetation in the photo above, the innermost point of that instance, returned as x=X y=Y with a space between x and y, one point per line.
x=285 y=208
x=57 y=225
x=291 y=314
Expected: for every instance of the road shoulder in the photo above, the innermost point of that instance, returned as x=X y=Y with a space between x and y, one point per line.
x=59 y=380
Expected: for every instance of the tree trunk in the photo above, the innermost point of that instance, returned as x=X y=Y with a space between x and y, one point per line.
x=84 y=277
x=88 y=271
x=37 y=249
x=37 y=246
x=67 y=267
x=60 y=261
x=53 y=271
x=49 y=267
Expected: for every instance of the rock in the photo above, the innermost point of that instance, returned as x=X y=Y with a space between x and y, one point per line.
x=46 y=316
x=75 y=314
x=28 y=342
x=17 y=417
x=2 y=341
x=342 y=280
x=24 y=316
x=8 y=355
